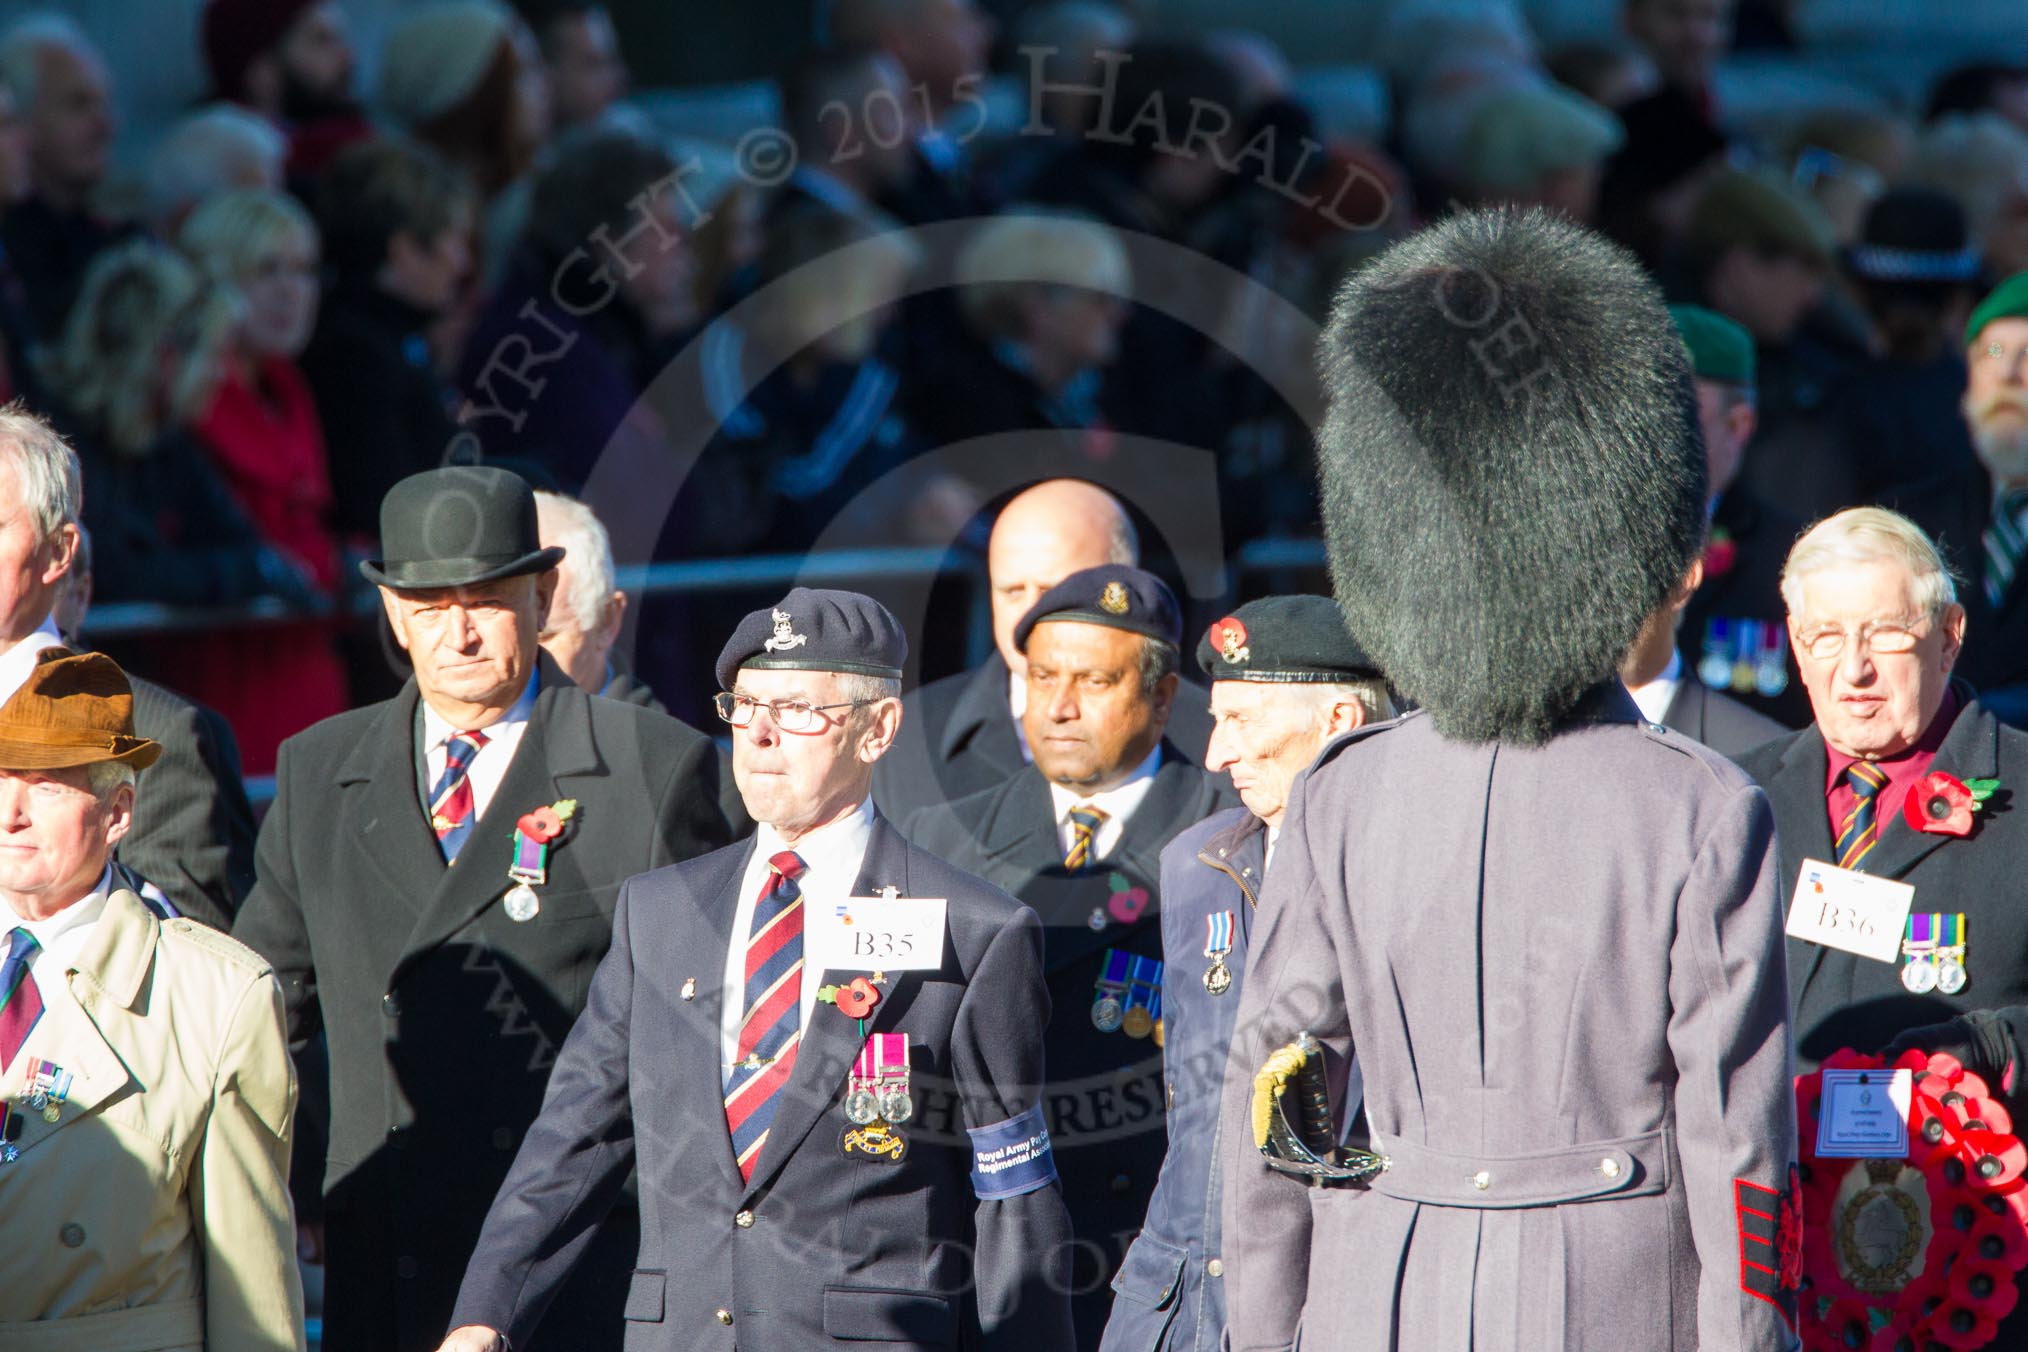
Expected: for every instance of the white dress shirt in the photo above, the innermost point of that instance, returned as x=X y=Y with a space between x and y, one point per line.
x=1118 y=803
x=19 y=660
x=1017 y=704
x=832 y=856
x=62 y=937
x=489 y=767
x=1654 y=698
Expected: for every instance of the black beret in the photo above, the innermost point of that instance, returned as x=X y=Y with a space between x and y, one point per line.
x=1113 y=595
x=1284 y=638
x=813 y=630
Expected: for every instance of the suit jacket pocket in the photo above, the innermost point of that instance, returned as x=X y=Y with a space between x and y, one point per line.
x=1152 y=1274
x=644 y=1296
x=875 y=1315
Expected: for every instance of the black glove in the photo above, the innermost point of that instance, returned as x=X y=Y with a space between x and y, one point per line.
x=1980 y=1040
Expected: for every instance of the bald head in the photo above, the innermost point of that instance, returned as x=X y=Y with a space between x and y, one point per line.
x=1043 y=536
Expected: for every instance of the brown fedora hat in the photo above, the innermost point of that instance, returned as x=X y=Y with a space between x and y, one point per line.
x=74 y=709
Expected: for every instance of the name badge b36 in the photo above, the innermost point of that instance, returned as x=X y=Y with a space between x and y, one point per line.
x=1855 y=912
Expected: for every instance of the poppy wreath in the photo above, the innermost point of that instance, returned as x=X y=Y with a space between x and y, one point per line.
x=1922 y=1253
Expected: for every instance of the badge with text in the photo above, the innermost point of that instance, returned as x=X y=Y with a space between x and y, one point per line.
x=888 y=933
x=1856 y=912
x=1864 y=1114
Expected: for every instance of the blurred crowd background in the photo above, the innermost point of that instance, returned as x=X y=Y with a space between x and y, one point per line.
x=806 y=288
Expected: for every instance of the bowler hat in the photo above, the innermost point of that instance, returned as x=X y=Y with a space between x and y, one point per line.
x=456 y=527
x=74 y=709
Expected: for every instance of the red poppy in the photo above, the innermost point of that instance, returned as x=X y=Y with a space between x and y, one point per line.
x=1963 y=1327
x=1992 y=1160
x=1228 y=639
x=858 y=999
x=1985 y=1285
x=1127 y=906
x=1940 y=804
x=1789 y=1233
x=541 y=826
x=1719 y=556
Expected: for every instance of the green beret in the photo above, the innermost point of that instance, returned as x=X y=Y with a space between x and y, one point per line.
x=2009 y=300
x=1744 y=210
x=1519 y=136
x=1720 y=349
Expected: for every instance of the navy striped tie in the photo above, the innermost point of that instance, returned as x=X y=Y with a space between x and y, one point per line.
x=1861 y=829
x=770 y=1029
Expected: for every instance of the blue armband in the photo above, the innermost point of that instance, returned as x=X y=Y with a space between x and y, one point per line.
x=1012 y=1157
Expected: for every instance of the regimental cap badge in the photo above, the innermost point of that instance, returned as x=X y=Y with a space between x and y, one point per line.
x=784 y=638
x=1113 y=600
x=1228 y=636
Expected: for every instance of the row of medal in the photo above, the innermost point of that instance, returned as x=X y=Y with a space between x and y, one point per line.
x=878 y=1101
x=46 y=1089
x=1128 y=995
x=1745 y=656
x=1935 y=949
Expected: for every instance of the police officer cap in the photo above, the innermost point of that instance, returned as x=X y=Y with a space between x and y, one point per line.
x=1284 y=639
x=1113 y=595
x=816 y=630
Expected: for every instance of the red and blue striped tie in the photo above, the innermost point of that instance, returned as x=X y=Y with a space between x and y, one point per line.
x=20 y=1000
x=451 y=799
x=771 y=1027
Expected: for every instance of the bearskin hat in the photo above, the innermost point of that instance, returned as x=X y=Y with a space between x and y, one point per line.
x=1512 y=470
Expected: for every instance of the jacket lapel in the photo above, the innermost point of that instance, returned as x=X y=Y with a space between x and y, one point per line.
x=379 y=781
x=981 y=722
x=1687 y=706
x=831 y=1043
x=1970 y=750
x=108 y=974
x=555 y=747
x=1796 y=791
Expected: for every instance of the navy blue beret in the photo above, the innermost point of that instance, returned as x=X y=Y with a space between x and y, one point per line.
x=815 y=630
x=1284 y=638
x=1114 y=595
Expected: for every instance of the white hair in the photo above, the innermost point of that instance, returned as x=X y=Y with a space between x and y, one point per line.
x=859 y=687
x=1861 y=535
x=106 y=777
x=570 y=523
x=1031 y=247
x=45 y=468
x=1368 y=692
x=212 y=151
x=21 y=50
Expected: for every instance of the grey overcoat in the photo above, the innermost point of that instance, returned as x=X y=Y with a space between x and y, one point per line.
x=1562 y=968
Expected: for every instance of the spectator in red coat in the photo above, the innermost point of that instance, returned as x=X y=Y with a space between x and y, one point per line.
x=261 y=432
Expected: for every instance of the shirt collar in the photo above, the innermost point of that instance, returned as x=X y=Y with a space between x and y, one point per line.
x=437 y=730
x=832 y=852
x=1118 y=802
x=76 y=916
x=1655 y=697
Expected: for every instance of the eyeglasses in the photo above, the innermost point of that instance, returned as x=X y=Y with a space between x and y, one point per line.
x=790 y=715
x=1828 y=644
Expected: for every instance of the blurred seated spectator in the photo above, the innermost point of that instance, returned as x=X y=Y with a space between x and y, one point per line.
x=1040 y=296
x=1685 y=39
x=807 y=416
x=1897 y=411
x=140 y=360
x=1538 y=145
x=1610 y=74
x=941 y=47
x=63 y=92
x=211 y=151
x=589 y=308
x=397 y=230
x=1650 y=188
x=262 y=434
x=291 y=62
x=1844 y=159
x=19 y=378
x=464 y=77
x=581 y=57
x=1981 y=160
x=587 y=609
x=1983 y=87
x=1062 y=50
x=839 y=166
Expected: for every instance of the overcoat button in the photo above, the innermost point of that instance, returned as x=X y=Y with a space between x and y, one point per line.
x=406 y=1267
x=72 y=1235
x=503 y=1138
x=723 y=1316
x=744 y=1220
x=1215 y=1268
x=390 y=1006
x=1482 y=1180
x=1122 y=1183
x=1609 y=1167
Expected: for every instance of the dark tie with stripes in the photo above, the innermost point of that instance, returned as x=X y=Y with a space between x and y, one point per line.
x=451 y=800
x=1085 y=821
x=770 y=1029
x=1861 y=828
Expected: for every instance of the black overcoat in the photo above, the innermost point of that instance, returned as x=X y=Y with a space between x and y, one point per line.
x=444 y=1016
